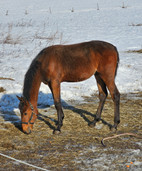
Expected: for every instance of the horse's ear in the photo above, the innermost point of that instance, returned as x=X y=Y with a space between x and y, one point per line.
x=22 y=99
x=19 y=98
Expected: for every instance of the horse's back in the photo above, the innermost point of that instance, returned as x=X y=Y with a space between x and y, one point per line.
x=78 y=62
x=76 y=50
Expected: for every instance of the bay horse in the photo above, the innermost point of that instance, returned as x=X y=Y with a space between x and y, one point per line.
x=70 y=63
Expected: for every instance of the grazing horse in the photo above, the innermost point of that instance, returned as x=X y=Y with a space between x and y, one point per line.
x=70 y=63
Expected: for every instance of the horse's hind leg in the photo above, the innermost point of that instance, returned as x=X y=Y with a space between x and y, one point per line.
x=102 y=96
x=110 y=83
x=55 y=88
x=116 y=98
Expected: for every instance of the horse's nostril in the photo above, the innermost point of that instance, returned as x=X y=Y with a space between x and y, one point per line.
x=28 y=131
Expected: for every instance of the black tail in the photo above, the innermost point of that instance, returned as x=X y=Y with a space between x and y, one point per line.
x=117 y=61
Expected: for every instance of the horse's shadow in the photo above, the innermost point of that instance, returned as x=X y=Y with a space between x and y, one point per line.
x=83 y=113
x=9 y=108
x=9 y=104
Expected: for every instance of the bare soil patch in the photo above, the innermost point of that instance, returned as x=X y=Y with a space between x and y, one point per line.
x=78 y=147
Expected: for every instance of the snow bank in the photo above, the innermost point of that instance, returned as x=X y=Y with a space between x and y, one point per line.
x=27 y=27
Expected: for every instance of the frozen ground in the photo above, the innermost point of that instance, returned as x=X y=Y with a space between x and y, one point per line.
x=27 y=27
x=78 y=147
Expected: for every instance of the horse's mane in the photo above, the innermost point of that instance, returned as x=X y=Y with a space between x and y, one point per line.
x=29 y=77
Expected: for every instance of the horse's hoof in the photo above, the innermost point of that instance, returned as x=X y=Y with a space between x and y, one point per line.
x=113 y=128
x=56 y=132
x=91 y=124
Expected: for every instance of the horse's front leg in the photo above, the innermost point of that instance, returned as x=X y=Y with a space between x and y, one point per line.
x=55 y=87
x=60 y=114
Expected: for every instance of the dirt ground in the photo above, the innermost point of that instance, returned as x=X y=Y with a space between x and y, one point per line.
x=78 y=147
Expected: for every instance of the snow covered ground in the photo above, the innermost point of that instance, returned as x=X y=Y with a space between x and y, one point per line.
x=26 y=27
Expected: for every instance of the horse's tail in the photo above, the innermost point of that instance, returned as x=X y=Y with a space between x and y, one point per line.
x=117 y=61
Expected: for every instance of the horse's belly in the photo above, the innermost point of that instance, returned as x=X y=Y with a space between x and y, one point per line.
x=78 y=76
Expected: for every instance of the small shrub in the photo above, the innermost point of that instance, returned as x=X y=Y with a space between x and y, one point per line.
x=2 y=89
x=8 y=39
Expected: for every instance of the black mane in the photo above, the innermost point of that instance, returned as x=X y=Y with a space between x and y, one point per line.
x=29 y=77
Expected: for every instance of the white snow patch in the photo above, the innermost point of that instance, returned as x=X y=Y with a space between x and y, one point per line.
x=28 y=26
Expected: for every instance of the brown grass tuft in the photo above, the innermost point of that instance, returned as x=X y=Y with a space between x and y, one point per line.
x=135 y=51
x=2 y=89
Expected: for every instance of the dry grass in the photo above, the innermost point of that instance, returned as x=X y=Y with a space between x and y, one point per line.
x=135 y=51
x=140 y=24
x=51 y=38
x=4 y=78
x=23 y=23
x=61 y=152
x=8 y=39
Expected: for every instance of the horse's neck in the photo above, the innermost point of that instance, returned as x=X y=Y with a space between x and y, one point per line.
x=31 y=92
x=34 y=91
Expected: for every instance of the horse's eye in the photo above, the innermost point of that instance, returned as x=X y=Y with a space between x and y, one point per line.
x=25 y=113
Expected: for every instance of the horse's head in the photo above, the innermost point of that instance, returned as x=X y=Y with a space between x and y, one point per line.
x=28 y=115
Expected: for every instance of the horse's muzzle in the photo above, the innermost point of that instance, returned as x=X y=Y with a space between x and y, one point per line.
x=28 y=131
